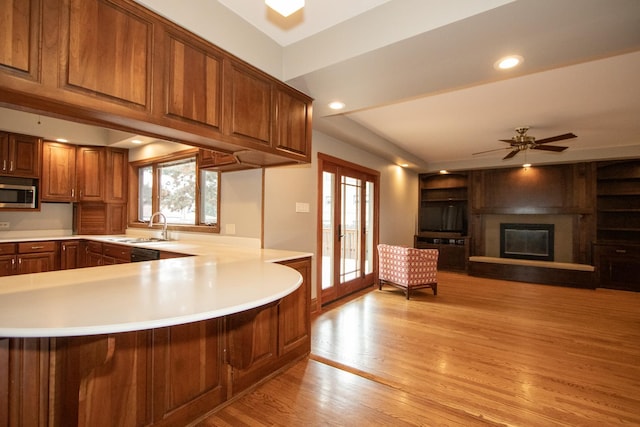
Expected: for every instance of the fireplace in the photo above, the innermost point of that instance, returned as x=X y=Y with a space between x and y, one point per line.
x=527 y=241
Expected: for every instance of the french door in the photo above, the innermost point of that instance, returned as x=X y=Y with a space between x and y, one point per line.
x=348 y=212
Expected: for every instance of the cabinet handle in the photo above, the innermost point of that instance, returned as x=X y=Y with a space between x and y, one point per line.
x=37 y=247
x=20 y=261
x=4 y=165
x=73 y=192
x=64 y=247
x=13 y=263
x=621 y=251
x=11 y=166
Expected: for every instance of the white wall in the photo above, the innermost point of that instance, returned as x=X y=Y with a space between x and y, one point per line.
x=53 y=219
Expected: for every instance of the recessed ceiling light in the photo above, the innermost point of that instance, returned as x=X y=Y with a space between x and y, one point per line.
x=508 y=62
x=444 y=171
x=285 y=7
x=404 y=165
x=336 y=105
x=526 y=165
x=62 y=140
x=136 y=141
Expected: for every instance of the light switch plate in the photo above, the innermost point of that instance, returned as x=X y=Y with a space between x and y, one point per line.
x=302 y=207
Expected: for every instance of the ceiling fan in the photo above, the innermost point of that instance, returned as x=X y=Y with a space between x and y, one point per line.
x=521 y=141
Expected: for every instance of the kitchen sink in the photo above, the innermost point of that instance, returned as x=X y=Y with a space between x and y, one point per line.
x=137 y=239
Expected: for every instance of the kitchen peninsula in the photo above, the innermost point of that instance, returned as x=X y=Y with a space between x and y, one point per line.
x=150 y=343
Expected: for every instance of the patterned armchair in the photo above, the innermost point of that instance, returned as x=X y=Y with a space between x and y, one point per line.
x=408 y=268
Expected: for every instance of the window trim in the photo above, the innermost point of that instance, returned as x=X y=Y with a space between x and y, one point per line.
x=134 y=167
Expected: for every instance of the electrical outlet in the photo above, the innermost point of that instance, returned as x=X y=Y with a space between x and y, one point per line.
x=4 y=225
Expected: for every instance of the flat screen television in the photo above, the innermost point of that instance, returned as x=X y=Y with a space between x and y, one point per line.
x=444 y=218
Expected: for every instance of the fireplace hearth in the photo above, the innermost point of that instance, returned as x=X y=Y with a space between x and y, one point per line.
x=527 y=241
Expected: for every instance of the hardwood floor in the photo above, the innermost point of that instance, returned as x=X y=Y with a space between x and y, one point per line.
x=482 y=352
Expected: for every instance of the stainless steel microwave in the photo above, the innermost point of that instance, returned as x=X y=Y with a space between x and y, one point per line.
x=17 y=196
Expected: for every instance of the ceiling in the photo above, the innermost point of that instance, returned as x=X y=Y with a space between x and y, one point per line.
x=430 y=96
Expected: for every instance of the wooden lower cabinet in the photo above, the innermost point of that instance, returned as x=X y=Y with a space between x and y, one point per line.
x=158 y=377
x=277 y=334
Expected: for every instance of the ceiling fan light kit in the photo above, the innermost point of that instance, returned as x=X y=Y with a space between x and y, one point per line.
x=522 y=142
x=285 y=7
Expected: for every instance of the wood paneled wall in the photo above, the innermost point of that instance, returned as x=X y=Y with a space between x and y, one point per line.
x=567 y=189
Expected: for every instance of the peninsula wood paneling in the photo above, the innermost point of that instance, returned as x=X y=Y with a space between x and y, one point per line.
x=24 y=381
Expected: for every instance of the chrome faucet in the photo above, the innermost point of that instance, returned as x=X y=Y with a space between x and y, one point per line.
x=165 y=236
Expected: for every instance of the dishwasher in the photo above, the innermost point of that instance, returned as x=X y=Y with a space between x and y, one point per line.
x=144 y=254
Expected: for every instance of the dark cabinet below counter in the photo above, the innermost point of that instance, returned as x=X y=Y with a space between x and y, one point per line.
x=618 y=266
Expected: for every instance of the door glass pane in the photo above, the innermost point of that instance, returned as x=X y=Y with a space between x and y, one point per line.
x=350 y=237
x=368 y=227
x=328 y=230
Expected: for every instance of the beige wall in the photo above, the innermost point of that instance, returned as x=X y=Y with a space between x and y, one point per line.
x=284 y=228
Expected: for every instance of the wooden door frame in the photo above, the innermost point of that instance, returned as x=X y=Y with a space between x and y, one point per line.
x=325 y=158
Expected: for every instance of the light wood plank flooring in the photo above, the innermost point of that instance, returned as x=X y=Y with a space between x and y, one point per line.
x=483 y=352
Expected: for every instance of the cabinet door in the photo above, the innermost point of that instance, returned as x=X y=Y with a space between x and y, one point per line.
x=116 y=175
x=248 y=111
x=7 y=265
x=58 y=181
x=20 y=37
x=253 y=345
x=36 y=262
x=70 y=254
x=91 y=173
x=293 y=129
x=24 y=156
x=193 y=84
x=294 y=317
x=108 y=51
x=189 y=370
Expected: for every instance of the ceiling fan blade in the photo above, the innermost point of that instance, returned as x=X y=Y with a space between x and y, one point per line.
x=510 y=155
x=491 y=151
x=506 y=140
x=556 y=138
x=555 y=148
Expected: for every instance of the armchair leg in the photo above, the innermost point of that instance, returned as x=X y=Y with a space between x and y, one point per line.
x=435 y=288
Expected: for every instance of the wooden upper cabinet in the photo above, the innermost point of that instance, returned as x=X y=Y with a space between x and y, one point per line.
x=20 y=155
x=109 y=51
x=248 y=105
x=91 y=173
x=58 y=182
x=193 y=83
x=293 y=124
x=116 y=189
x=20 y=37
x=102 y=174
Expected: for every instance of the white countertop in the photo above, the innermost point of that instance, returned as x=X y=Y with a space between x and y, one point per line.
x=220 y=280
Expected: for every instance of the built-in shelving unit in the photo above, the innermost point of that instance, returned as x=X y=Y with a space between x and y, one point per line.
x=443 y=218
x=618 y=203
x=617 y=248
